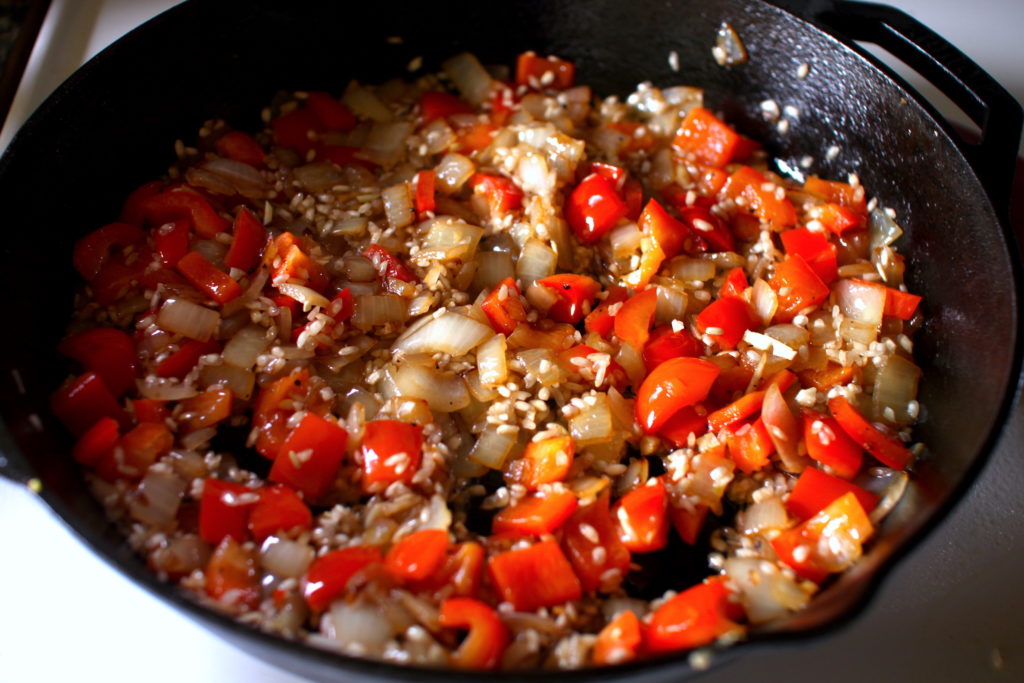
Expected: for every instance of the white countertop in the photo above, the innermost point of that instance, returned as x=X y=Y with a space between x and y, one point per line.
x=951 y=612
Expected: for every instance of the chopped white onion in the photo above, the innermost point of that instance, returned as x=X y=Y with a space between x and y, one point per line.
x=160 y=389
x=765 y=592
x=438 y=136
x=769 y=513
x=469 y=76
x=889 y=485
x=245 y=179
x=594 y=423
x=452 y=172
x=155 y=502
x=491 y=361
x=183 y=317
x=540 y=363
x=319 y=176
x=492 y=268
x=691 y=269
x=449 y=239
x=672 y=303
x=364 y=103
x=894 y=391
x=536 y=260
x=379 y=309
x=445 y=392
x=240 y=381
x=398 y=205
x=386 y=141
x=450 y=333
x=765 y=301
x=883 y=229
x=625 y=240
x=304 y=295
x=285 y=558
x=492 y=448
x=358 y=623
x=861 y=301
x=783 y=429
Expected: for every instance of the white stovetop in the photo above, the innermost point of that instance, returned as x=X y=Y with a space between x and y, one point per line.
x=66 y=615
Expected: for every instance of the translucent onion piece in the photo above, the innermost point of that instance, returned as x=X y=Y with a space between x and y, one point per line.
x=240 y=381
x=165 y=390
x=469 y=76
x=491 y=361
x=319 y=176
x=450 y=333
x=860 y=301
x=857 y=332
x=536 y=260
x=438 y=136
x=245 y=179
x=443 y=391
x=883 y=229
x=767 y=514
x=594 y=423
x=765 y=592
x=687 y=96
x=157 y=498
x=304 y=295
x=379 y=309
x=285 y=558
x=792 y=336
x=452 y=172
x=889 y=485
x=541 y=364
x=492 y=448
x=398 y=205
x=672 y=303
x=728 y=49
x=783 y=429
x=358 y=268
x=710 y=475
x=181 y=556
x=492 y=268
x=692 y=269
x=358 y=623
x=436 y=515
x=364 y=103
x=765 y=301
x=386 y=141
x=625 y=240
x=186 y=318
x=534 y=175
x=632 y=362
x=895 y=388
x=449 y=239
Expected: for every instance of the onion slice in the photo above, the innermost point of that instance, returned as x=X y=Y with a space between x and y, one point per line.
x=450 y=333
x=783 y=429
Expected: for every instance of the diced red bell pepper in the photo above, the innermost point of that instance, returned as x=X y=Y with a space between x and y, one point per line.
x=461 y=571
x=417 y=556
x=121 y=275
x=92 y=251
x=206 y=409
x=387 y=264
x=241 y=147
x=815 y=490
x=886 y=449
x=97 y=441
x=132 y=211
x=843 y=194
x=488 y=636
x=249 y=239
x=224 y=511
x=141 y=447
x=600 y=321
x=297 y=129
x=279 y=510
x=725 y=321
x=633 y=195
x=708 y=230
x=150 y=410
x=828 y=542
x=231 y=576
x=441 y=105
x=830 y=445
x=665 y=238
x=543 y=462
x=798 y=287
x=688 y=523
x=706 y=139
x=296 y=265
x=673 y=385
x=665 y=344
x=330 y=112
x=636 y=137
x=686 y=421
x=501 y=193
x=329 y=575
x=183 y=205
x=695 y=617
x=605 y=570
x=503 y=307
x=593 y=208
x=108 y=352
x=750 y=187
x=310 y=456
x=616 y=175
x=837 y=219
x=642 y=518
x=171 y=242
x=424 y=196
x=833 y=374
x=181 y=362
x=740 y=409
x=899 y=304
x=537 y=514
x=82 y=402
x=750 y=445
x=208 y=279
x=816 y=250
x=476 y=137
x=384 y=444
x=534 y=577
x=735 y=284
x=532 y=71
x=633 y=322
x=619 y=641
x=575 y=294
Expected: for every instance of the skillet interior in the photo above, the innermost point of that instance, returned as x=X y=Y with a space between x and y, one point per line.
x=109 y=128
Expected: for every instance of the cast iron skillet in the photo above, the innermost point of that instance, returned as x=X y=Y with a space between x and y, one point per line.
x=110 y=126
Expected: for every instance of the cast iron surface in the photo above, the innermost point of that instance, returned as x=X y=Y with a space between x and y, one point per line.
x=108 y=129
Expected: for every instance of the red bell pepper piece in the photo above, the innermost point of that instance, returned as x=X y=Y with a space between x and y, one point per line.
x=171 y=242
x=816 y=250
x=501 y=193
x=706 y=139
x=725 y=321
x=296 y=265
x=673 y=385
x=740 y=409
x=503 y=307
x=749 y=186
x=476 y=137
x=837 y=219
x=150 y=410
x=534 y=577
x=619 y=641
x=417 y=556
x=798 y=287
x=838 y=193
x=830 y=445
x=695 y=617
x=82 y=402
x=543 y=462
x=231 y=575
x=250 y=237
x=815 y=490
x=616 y=175
x=384 y=442
x=206 y=409
x=605 y=569
x=827 y=542
x=241 y=147
x=686 y=421
x=600 y=321
x=108 y=352
x=593 y=208
x=224 y=511
x=187 y=206
x=886 y=449
x=899 y=304
x=440 y=105
x=575 y=295
x=97 y=441
x=461 y=571
x=642 y=517
x=208 y=279
x=329 y=112
x=688 y=523
x=633 y=322
x=484 y=645
x=92 y=251
x=735 y=284
x=633 y=195
x=310 y=456
x=532 y=71
x=665 y=344
x=537 y=514
x=387 y=264
x=666 y=236
x=181 y=362
x=279 y=509
x=132 y=211
x=709 y=232
x=424 y=197
x=750 y=445
x=297 y=129
x=329 y=575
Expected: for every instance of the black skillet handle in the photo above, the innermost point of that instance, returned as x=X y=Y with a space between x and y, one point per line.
x=987 y=103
